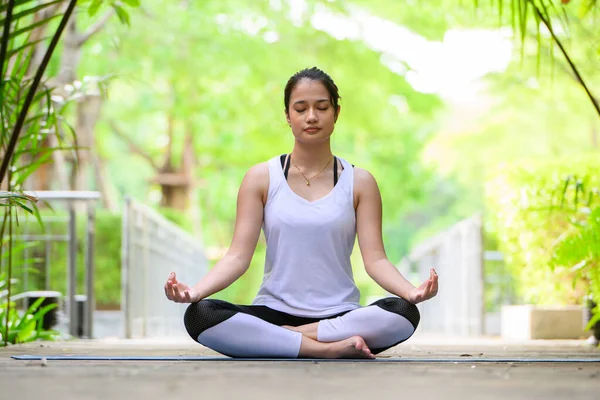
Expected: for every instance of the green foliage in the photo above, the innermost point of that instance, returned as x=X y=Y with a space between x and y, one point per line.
x=27 y=118
x=21 y=327
x=218 y=70
x=177 y=217
x=578 y=248
x=562 y=30
x=527 y=214
x=25 y=112
x=25 y=103
x=107 y=255
x=431 y=19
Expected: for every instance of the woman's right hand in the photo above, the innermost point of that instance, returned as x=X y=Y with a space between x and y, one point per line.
x=179 y=292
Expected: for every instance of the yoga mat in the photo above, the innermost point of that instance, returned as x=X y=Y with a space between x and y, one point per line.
x=466 y=360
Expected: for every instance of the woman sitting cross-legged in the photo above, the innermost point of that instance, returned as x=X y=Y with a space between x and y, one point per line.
x=311 y=205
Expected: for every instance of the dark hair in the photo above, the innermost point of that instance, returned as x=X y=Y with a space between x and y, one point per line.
x=314 y=74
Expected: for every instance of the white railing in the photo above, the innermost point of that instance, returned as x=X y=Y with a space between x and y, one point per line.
x=152 y=247
x=74 y=202
x=457 y=256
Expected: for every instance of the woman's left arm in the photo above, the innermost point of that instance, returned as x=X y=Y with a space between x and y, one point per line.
x=377 y=265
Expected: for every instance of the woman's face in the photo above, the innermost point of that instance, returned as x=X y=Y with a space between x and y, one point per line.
x=311 y=115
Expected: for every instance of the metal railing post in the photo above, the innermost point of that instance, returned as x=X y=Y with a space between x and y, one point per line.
x=72 y=272
x=125 y=268
x=89 y=273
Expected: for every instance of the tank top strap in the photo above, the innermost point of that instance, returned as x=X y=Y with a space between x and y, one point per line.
x=275 y=177
x=346 y=180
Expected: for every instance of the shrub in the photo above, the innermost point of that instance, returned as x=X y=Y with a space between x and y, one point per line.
x=528 y=212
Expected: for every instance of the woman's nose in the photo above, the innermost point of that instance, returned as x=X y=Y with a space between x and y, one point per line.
x=311 y=116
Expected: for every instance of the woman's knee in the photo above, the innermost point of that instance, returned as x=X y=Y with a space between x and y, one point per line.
x=402 y=307
x=205 y=314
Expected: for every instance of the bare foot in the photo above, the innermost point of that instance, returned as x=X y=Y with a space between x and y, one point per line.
x=354 y=347
x=291 y=328
x=309 y=330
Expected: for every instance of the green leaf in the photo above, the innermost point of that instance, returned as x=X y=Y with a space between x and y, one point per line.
x=122 y=14
x=39 y=315
x=31 y=10
x=31 y=27
x=23 y=206
x=27 y=170
x=538 y=37
x=28 y=44
x=594 y=320
x=27 y=332
x=17 y=3
x=42 y=150
x=28 y=315
x=132 y=3
x=38 y=217
x=94 y=7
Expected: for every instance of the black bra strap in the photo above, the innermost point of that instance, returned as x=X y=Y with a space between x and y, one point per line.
x=287 y=167
x=335 y=171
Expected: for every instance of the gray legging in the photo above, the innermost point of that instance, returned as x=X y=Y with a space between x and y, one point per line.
x=255 y=331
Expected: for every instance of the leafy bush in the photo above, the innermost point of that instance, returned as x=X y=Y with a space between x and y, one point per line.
x=107 y=255
x=22 y=327
x=579 y=250
x=527 y=212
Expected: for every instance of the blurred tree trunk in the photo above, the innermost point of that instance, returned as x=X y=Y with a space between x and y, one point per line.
x=88 y=112
x=176 y=181
x=41 y=178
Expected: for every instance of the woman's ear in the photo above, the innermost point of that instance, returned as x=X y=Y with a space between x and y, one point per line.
x=337 y=113
x=287 y=118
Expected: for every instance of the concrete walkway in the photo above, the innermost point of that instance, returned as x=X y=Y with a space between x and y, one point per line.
x=301 y=380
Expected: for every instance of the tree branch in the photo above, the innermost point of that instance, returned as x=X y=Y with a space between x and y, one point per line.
x=10 y=148
x=132 y=145
x=97 y=27
x=578 y=76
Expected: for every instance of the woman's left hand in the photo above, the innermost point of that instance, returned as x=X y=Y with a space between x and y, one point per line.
x=426 y=291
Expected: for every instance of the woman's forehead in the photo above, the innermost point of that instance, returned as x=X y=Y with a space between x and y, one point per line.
x=309 y=89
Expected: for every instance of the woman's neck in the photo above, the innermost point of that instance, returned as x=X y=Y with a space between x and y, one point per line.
x=312 y=157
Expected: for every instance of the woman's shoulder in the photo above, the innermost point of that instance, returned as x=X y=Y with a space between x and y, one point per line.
x=362 y=175
x=364 y=181
x=259 y=172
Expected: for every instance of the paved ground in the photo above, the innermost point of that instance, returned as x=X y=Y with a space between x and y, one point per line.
x=300 y=380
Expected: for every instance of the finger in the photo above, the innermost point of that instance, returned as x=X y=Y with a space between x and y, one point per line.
x=187 y=295
x=429 y=287
x=173 y=277
x=176 y=294
x=169 y=290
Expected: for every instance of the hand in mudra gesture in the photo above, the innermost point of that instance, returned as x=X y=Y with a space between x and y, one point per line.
x=179 y=292
x=427 y=290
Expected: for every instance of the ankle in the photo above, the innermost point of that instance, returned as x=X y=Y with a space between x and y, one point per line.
x=330 y=350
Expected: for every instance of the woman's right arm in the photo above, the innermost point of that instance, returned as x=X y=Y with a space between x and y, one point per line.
x=249 y=218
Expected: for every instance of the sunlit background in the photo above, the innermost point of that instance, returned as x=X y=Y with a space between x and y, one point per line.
x=460 y=111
